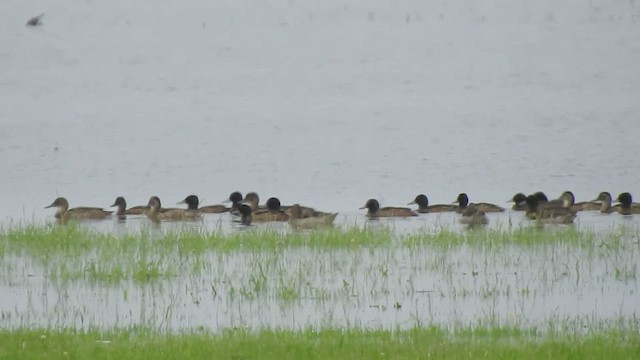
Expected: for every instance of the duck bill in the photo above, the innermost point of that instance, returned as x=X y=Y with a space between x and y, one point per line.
x=53 y=204
x=114 y=204
x=181 y=202
x=364 y=207
x=412 y=203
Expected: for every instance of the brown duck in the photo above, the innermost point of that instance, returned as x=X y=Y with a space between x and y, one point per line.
x=627 y=207
x=375 y=211
x=193 y=202
x=423 y=205
x=156 y=212
x=297 y=220
x=545 y=214
x=463 y=202
x=519 y=201
x=121 y=208
x=64 y=213
x=271 y=213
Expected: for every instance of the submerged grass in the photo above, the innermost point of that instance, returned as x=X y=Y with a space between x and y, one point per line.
x=418 y=343
x=74 y=252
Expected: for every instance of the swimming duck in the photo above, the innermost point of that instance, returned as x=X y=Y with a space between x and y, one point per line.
x=271 y=213
x=297 y=220
x=463 y=202
x=252 y=199
x=64 y=213
x=605 y=203
x=473 y=216
x=122 y=210
x=569 y=202
x=545 y=214
x=374 y=210
x=306 y=211
x=542 y=198
x=627 y=207
x=423 y=205
x=246 y=215
x=157 y=213
x=519 y=201
x=192 y=202
x=236 y=200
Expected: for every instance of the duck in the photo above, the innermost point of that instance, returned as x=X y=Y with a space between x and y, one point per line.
x=541 y=196
x=519 y=201
x=463 y=202
x=473 y=216
x=297 y=220
x=121 y=208
x=627 y=207
x=271 y=213
x=544 y=214
x=246 y=214
x=193 y=201
x=156 y=212
x=569 y=202
x=64 y=213
x=306 y=211
x=605 y=200
x=423 y=205
x=235 y=198
x=375 y=211
x=252 y=199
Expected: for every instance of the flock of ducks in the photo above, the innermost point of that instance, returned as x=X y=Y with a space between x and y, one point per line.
x=562 y=210
x=246 y=209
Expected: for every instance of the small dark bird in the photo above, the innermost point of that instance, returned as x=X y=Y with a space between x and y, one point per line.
x=35 y=21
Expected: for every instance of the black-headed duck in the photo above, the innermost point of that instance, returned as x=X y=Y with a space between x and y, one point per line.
x=193 y=202
x=542 y=198
x=627 y=207
x=121 y=208
x=423 y=205
x=246 y=214
x=519 y=201
x=271 y=213
x=83 y=212
x=297 y=220
x=463 y=202
x=235 y=198
x=548 y=214
x=156 y=212
x=375 y=211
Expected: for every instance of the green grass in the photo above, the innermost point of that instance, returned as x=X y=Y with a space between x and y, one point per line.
x=418 y=343
x=72 y=252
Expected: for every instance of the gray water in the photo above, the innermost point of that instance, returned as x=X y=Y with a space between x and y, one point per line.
x=324 y=104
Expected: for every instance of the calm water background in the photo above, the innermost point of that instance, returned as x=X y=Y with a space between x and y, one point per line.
x=327 y=104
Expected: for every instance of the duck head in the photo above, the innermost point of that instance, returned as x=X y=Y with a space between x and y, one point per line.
x=192 y=202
